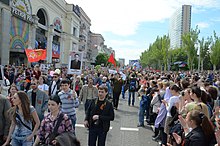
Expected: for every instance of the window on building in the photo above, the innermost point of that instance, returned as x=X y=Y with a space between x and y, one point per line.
x=74 y=31
x=74 y=47
x=5 y=2
x=41 y=16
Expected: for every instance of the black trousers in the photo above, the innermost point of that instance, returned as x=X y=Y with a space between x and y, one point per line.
x=87 y=103
x=116 y=99
x=97 y=133
x=1 y=140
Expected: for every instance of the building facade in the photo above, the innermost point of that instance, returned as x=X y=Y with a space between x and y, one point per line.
x=180 y=23
x=121 y=62
x=84 y=38
x=97 y=43
x=51 y=25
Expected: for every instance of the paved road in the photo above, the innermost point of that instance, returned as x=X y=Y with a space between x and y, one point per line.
x=124 y=131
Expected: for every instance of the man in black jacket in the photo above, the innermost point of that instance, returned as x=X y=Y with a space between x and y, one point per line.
x=98 y=116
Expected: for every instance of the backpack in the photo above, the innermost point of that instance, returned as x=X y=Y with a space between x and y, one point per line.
x=132 y=86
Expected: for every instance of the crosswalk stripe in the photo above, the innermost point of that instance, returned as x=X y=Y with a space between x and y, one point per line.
x=82 y=126
x=128 y=129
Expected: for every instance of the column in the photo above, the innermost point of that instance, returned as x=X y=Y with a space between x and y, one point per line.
x=62 y=48
x=49 y=43
x=5 y=36
x=32 y=37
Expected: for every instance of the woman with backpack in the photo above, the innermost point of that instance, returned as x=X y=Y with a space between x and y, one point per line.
x=23 y=115
x=132 y=89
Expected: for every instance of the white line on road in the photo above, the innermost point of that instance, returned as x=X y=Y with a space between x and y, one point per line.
x=82 y=126
x=129 y=129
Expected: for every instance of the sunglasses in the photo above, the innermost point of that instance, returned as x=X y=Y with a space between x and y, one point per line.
x=33 y=84
x=55 y=76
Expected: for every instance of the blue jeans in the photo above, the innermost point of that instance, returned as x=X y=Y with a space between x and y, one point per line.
x=123 y=91
x=142 y=109
x=73 y=120
x=133 y=98
x=95 y=133
x=21 y=141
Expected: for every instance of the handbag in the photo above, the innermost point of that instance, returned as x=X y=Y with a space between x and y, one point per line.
x=19 y=118
x=53 y=135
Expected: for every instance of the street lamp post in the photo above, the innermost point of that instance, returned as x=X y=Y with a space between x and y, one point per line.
x=199 y=60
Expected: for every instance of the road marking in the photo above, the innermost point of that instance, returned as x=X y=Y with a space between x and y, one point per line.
x=82 y=126
x=128 y=129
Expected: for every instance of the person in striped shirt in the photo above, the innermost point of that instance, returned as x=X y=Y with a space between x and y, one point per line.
x=69 y=101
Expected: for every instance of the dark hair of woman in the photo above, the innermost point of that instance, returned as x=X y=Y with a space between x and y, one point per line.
x=213 y=92
x=175 y=88
x=197 y=91
x=12 y=86
x=204 y=96
x=56 y=99
x=185 y=83
x=201 y=120
x=25 y=105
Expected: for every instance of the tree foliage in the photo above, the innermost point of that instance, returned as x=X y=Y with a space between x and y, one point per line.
x=160 y=55
x=204 y=50
x=215 y=51
x=156 y=55
x=101 y=58
x=189 y=40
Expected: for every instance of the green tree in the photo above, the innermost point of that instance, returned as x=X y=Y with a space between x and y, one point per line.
x=165 y=50
x=102 y=58
x=178 y=54
x=157 y=53
x=189 y=40
x=204 y=51
x=215 y=51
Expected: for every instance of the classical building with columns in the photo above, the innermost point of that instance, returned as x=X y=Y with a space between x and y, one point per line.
x=52 y=25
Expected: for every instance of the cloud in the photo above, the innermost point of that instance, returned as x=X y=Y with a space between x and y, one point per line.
x=203 y=25
x=122 y=17
x=123 y=43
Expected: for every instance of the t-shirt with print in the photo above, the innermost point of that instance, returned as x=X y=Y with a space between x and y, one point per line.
x=20 y=129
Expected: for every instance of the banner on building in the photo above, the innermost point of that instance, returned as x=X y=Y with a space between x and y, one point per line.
x=36 y=54
x=55 y=51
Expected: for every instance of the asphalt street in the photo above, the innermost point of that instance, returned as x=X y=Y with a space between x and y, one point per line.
x=123 y=130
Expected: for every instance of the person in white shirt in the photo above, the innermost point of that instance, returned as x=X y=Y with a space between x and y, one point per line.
x=174 y=89
x=42 y=86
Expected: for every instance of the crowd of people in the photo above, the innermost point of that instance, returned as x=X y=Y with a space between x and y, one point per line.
x=39 y=108
x=183 y=107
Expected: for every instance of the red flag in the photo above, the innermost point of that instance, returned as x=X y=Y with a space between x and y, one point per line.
x=36 y=54
x=112 y=60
